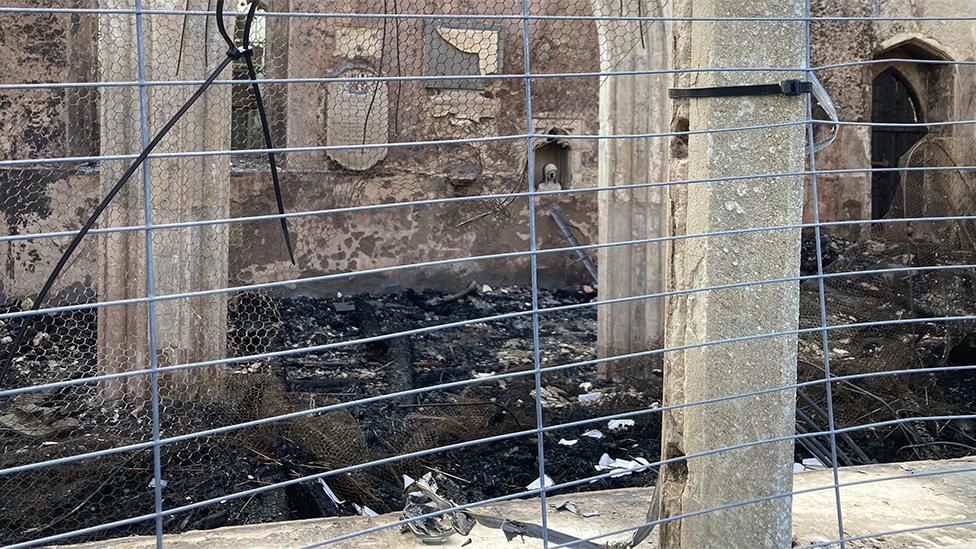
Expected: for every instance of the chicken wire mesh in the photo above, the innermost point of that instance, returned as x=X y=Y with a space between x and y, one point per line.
x=368 y=111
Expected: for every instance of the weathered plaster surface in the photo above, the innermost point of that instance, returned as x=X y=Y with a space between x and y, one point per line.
x=52 y=123
x=946 y=92
x=333 y=243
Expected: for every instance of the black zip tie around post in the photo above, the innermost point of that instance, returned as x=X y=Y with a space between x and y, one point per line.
x=789 y=88
x=233 y=53
x=786 y=87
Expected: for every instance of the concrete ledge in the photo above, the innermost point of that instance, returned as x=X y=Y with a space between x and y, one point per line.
x=922 y=498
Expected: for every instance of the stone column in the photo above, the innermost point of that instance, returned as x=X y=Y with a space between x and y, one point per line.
x=631 y=105
x=728 y=369
x=182 y=189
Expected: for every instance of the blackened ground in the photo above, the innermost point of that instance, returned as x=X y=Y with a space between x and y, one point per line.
x=488 y=408
x=472 y=343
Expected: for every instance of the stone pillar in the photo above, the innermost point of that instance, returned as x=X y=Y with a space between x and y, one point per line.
x=727 y=369
x=631 y=105
x=182 y=189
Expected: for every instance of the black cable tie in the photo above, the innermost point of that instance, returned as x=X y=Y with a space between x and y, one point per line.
x=237 y=54
x=786 y=87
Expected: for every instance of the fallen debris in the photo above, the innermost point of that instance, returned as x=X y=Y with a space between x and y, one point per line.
x=552 y=397
x=589 y=397
x=472 y=288
x=619 y=424
x=535 y=484
x=808 y=464
x=573 y=242
x=328 y=491
x=622 y=467
x=433 y=519
x=571 y=507
x=365 y=511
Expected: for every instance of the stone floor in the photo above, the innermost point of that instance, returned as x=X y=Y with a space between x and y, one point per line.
x=926 y=493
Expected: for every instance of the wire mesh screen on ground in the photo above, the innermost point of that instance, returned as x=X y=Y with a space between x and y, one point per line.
x=402 y=256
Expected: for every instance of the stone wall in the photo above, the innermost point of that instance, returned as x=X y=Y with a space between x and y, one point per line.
x=945 y=92
x=57 y=123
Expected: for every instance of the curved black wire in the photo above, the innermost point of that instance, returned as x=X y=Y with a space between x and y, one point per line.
x=232 y=50
x=265 y=127
x=233 y=53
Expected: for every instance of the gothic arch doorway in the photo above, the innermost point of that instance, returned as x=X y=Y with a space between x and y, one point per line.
x=893 y=101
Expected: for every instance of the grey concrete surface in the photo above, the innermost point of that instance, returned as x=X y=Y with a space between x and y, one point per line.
x=703 y=373
x=933 y=493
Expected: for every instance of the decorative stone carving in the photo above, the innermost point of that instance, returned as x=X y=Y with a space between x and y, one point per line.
x=357 y=113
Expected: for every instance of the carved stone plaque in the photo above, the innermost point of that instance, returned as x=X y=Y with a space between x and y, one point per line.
x=357 y=113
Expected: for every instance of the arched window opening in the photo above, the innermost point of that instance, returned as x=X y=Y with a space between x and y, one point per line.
x=893 y=101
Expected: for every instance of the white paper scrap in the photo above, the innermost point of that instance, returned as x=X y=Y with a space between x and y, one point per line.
x=618 y=424
x=590 y=397
x=620 y=467
x=535 y=485
x=365 y=511
x=328 y=491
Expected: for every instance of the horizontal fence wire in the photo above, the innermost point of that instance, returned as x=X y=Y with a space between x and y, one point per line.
x=380 y=270
x=358 y=146
x=513 y=17
x=169 y=252
x=292 y=352
x=553 y=487
x=520 y=76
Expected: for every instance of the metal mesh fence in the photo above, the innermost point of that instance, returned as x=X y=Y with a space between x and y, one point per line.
x=448 y=172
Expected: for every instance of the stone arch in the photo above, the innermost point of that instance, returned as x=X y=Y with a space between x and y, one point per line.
x=893 y=100
x=933 y=82
x=913 y=93
x=916 y=45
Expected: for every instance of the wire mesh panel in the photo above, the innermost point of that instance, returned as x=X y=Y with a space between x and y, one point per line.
x=408 y=258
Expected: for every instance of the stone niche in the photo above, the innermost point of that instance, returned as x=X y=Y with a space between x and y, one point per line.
x=357 y=113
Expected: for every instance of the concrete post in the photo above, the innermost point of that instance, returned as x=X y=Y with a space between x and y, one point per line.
x=728 y=369
x=183 y=189
x=631 y=105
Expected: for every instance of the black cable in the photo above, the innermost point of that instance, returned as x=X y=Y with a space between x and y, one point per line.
x=265 y=127
x=233 y=53
x=232 y=50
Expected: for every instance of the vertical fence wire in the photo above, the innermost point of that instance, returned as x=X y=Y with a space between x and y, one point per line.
x=157 y=485
x=821 y=288
x=534 y=271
